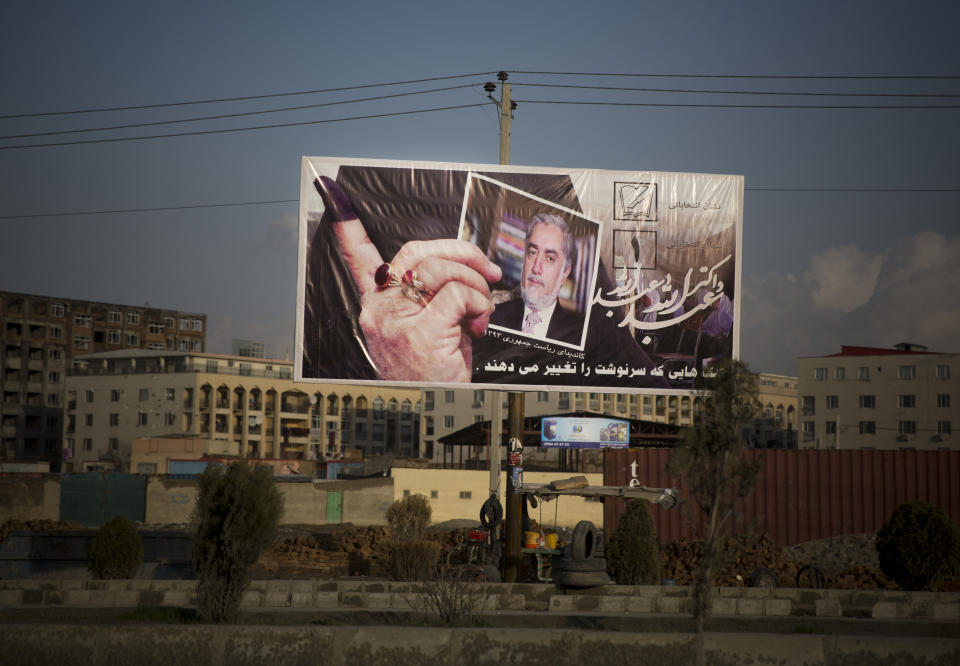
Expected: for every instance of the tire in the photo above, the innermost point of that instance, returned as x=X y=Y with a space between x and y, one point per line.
x=584 y=541
x=763 y=577
x=811 y=576
x=583 y=578
x=491 y=513
x=592 y=564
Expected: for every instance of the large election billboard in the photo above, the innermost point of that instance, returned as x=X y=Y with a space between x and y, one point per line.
x=515 y=278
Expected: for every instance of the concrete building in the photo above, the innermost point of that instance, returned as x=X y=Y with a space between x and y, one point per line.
x=40 y=336
x=447 y=411
x=239 y=406
x=878 y=398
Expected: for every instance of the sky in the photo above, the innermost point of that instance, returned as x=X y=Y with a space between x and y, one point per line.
x=874 y=264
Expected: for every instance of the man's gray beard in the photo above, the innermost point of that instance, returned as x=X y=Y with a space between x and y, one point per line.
x=535 y=303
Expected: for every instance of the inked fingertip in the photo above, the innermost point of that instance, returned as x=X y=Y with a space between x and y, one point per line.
x=335 y=200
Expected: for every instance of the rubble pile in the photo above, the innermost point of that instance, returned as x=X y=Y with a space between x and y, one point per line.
x=36 y=525
x=739 y=558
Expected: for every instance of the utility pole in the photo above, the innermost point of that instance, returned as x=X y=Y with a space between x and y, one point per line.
x=512 y=507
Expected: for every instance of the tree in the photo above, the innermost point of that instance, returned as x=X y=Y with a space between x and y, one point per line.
x=237 y=513
x=711 y=463
x=633 y=552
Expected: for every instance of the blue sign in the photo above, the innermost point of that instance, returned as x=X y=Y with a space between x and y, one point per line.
x=584 y=433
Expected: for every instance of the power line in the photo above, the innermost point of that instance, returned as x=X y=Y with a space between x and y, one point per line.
x=243 y=129
x=286 y=201
x=239 y=99
x=744 y=106
x=881 y=77
x=730 y=92
x=235 y=115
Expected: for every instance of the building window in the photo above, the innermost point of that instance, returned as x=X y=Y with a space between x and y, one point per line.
x=133 y=339
x=428 y=425
x=53 y=399
x=466 y=494
x=170 y=419
x=907 y=427
x=171 y=394
x=831 y=427
x=943 y=371
x=53 y=377
x=88 y=419
x=820 y=374
x=82 y=320
x=405 y=407
x=428 y=401
x=448 y=421
x=87 y=444
x=908 y=401
x=378 y=408
x=907 y=372
x=144 y=394
x=114 y=419
x=840 y=374
x=212 y=366
x=114 y=444
x=198 y=324
x=56 y=354
x=868 y=401
x=809 y=405
x=115 y=317
x=943 y=400
x=81 y=341
x=57 y=310
x=168 y=321
x=88 y=396
x=133 y=318
x=155 y=328
x=184 y=324
x=809 y=430
x=246 y=369
x=542 y=396
x=56 y=332
x=146 y=468
x=478 y=397
x=141 y=418
x=868 y=427
x=448 y=397
x=154 y=346
x=943 y=427
x=113 y=337
x=434 y=494
x=198 y=346
x=833 y=402
x=863 y=374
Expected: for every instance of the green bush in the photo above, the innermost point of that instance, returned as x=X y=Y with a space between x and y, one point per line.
x=116 y=551
x=918 y=546
x=409 y=517
x=236 y=517
x=633 y=553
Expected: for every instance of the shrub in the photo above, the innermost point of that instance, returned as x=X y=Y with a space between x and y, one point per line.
x=413 y=560
x=236 y=517
x=918 y=546
x=450 y=598
x=409 y=517
x=633 y=553
x=116 y=551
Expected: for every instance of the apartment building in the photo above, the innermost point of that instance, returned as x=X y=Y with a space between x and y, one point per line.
x=40 y=336
x=238 y=406
x=905 y=397
x=447 y=411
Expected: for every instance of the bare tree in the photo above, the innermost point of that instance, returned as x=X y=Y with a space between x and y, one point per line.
x=710 y=460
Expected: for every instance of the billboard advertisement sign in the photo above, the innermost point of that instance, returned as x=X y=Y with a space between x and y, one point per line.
x=584 y=433
x=515 y=278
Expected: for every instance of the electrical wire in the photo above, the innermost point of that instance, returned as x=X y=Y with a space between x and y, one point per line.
x=236 y=115
x=812 y=77
x=729 y=92
x=743 y=106
x=239 y=99
x=243 y=129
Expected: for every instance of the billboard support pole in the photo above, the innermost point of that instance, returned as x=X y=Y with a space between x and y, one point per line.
x=512 y=508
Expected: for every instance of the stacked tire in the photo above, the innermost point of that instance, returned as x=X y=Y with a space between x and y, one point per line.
x=582 y=563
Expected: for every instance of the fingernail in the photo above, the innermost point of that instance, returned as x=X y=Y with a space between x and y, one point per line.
x=335 y=200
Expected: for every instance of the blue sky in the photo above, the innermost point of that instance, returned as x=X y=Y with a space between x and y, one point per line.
x=819 y=268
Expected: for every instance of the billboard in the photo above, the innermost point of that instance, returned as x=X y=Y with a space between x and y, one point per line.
x=584 y=433
x=515 y=278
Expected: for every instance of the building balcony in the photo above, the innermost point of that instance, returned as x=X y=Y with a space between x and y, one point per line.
x=14 y=362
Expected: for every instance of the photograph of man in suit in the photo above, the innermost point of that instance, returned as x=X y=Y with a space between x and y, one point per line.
x=548 y=256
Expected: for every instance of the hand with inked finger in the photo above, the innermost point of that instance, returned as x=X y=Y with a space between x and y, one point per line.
x=420 y=311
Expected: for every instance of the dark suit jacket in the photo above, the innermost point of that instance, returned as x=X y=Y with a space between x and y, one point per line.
x=565 y=326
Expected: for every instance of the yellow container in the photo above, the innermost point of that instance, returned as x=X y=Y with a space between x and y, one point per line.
x=530 y=539
x=552 y=541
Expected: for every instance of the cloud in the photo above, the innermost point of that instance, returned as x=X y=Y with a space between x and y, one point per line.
x=844 y=296
x=843 y=278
